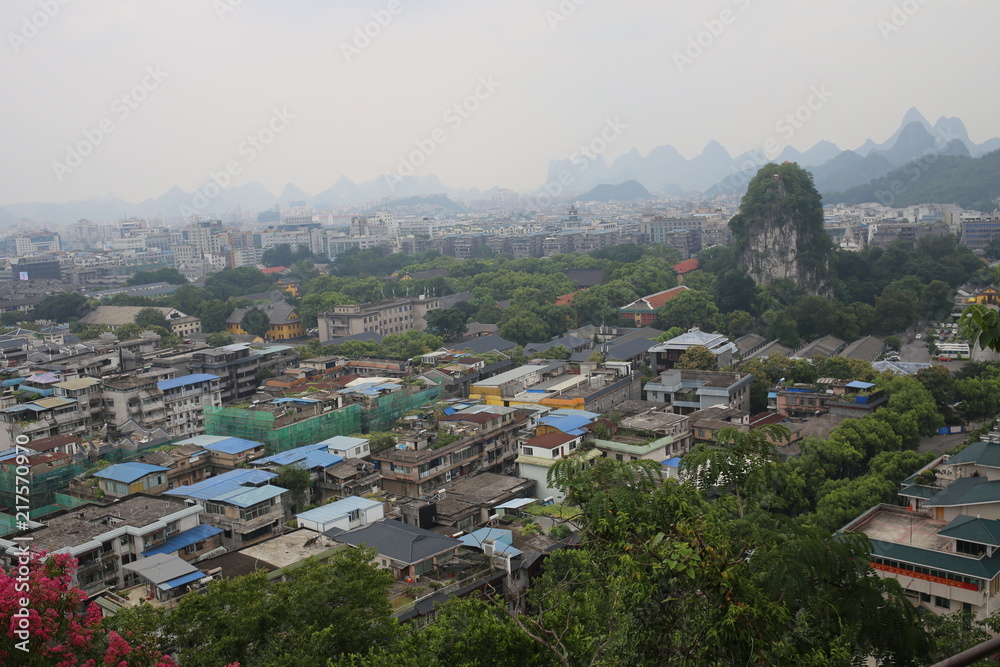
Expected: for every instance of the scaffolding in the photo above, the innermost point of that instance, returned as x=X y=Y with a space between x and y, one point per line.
x=383 y=412
x=259 y=426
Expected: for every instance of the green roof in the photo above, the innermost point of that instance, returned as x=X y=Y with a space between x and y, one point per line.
x=636 y=450
x=967 y=491
x=915 y=491
x=980 y=453
x=973 y=529
x=981 y=568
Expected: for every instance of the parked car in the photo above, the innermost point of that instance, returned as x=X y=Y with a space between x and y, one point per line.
x=944 y=358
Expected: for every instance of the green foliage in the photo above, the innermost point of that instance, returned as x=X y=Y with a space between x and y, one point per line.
x=697 y=358
x=283 y=255
x=690 y=308
x=219 y=339
x=448 y=323
x=151 y=317
x=256 y=322
x=785 y=193
x=61 y=307
x=297 y=480
x=321 y=611
x=969 y=182
x=379 y=442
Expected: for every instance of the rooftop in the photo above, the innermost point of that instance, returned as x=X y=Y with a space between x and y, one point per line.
x=84 y=523
x=185 y=381
x=128 y=472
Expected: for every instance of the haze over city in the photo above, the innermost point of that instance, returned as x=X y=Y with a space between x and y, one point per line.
x=168 y=93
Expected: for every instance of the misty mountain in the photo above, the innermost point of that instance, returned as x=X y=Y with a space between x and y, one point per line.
x=627 y=191
x=970 y=182
x=422 y=205
x=292 y=193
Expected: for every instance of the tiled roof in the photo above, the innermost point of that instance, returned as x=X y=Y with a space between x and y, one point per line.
x=550 y=440
x=967 y=491
x=399 y=541
x=973 y=529
x=980 y=453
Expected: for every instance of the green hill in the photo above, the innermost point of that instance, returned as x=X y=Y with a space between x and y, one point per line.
x=943 y=179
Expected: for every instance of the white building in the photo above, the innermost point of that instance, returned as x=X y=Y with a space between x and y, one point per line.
x=351 y=512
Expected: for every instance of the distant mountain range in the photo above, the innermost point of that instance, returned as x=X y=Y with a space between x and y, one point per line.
x=972 y=183
x=662 y=171
x=627 y=191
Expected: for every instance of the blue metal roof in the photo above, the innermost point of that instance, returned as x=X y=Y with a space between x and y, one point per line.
x=181 y=580
x=674 y=462
x=128 y=472
x=185 y=380
x=857 y=384
x=232 y=446
x=302 y=401
x=227 y=481
x=183 y=539
x=338 y=509
x=291 y=456
x=566 y=423
x=248 y=496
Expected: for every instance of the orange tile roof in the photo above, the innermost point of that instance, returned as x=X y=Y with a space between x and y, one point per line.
x=565 y=299
x=274 y=269
x=658 y=300
x=687 y=266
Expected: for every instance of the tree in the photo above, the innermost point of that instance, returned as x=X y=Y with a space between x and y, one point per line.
x=256 y=322
x=555 y=352
x=893 y=342
x=380 y=441
x=219 y=338
x=151 y=317
x=298 y=480
x=213 y=315
x=59 y=627
x=785 y=329
x=61 y=307
x=321 y=611
x=740 y=323
x=690 y=308
x=449 y=323
x=697 y=358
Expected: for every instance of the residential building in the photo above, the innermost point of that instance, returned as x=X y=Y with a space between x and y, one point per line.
x=113 y=317
x=136 y=399
x=241 y=502
x=688 y=391
x=386 y=317
x=124 y=479
x=663 y=356
x=407 y=551
x=645 y=310
x=184 y=399
x=104 y=539
x=235 y=364
x=285 y=322
x=538 y=454
x=418 y=466
x=552 y=385
x=342 y=515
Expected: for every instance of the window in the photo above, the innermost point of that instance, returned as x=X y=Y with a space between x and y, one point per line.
x=260 y=509
x=527 y=451
x=944 y=603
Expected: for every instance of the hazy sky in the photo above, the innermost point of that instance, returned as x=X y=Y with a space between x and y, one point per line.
x=200 y=76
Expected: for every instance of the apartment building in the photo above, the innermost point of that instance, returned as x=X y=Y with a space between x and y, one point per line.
x=235 y=364
x=183 y=400
x=386 y=317
x=688 y=391
x=241 y=503
x=488 y=443
x=104 y=539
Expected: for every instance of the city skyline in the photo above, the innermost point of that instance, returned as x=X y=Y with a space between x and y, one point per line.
x=480 y=96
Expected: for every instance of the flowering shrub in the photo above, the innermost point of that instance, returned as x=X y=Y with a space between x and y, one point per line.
x=49 y=624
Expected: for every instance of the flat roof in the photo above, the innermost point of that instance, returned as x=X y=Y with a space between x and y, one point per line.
x=82 y=524
x=337 y=509
x=510 y=376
